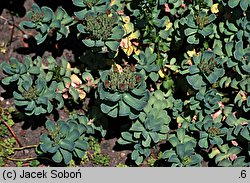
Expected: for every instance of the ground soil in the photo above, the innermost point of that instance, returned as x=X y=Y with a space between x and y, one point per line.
x=14 y=43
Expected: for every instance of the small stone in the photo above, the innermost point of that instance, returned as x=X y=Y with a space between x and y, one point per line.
x=123 y=155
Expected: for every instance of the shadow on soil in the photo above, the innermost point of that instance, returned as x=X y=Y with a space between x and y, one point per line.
x=32 y=122
x=16 y=7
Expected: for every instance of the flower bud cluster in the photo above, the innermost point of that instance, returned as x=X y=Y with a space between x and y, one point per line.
x=122 y=81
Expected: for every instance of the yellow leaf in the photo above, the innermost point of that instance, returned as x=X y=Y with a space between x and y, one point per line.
x=243 y=95
x=126 y=44
x=126 y=19
x=215 y=152
x=191 y=53
x=75 y=80
x=68 y=66
x=112 y=2
x=128 y=27
x=168 y=25
x=82 y=94
x=3 y=47
x=128 y=50
x=179 y=119
x=137 y=52
x=152 y=48
x=161 y=74
x=3 y=50
x=214 y=8
x=134 y=35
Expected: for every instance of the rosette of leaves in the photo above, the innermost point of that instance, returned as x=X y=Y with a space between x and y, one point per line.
x=87 y=5
x=36 y=97
x=149 y=129
x=18 y=72
x=101 y=30
x=65 y=76
x=199 y=26
x=59 y=73
x=122 y=92
x=183 y=155
x=147 y=64
x=211 y=131
x=64 y=140
x=207 y=101
x=207 y=69
x=46 y=22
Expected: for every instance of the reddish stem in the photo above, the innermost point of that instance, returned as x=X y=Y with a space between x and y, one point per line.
x=12 y=132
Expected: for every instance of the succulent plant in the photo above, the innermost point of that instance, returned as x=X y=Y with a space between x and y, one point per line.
x=65 y=77
x=89 y=5
x=226 y=156
x=211 y=131
x=182 y=153
x=155 y=26
x=206 y=69
x=178 y=7
x=64 y=140
x=17 y=71
x=237 y=127
x=244 y=4
x=207 y=101
x=238 y=162
x=101 y=30
x=46 y=22
x=183 y=156
x=36 y=97
x=149 y=129
x=197 y=109
x=122 y=92
x=199 y=26
x=147 y=64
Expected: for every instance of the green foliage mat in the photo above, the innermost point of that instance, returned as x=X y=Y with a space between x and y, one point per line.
x=177 y=70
